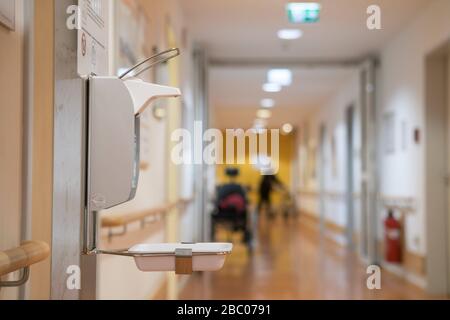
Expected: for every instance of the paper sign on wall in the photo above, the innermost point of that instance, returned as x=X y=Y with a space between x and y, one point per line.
x=93 y=37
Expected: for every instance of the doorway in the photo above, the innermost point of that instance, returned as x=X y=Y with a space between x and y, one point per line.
x=349 y=118
x=322 y=178
x=438 y=169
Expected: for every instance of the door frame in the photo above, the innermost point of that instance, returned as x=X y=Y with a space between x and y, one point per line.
x=322 y=178
x=350 y=188
x=437 y=169
x=369 y=163
x=69 y=162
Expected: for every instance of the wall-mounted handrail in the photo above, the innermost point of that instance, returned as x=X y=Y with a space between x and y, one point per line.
x=332 y=195
x=124 y=220
x=402 y=204
x=29 y=253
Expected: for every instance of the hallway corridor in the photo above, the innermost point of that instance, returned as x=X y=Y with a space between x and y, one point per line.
x=138 y=137
x=291 y=262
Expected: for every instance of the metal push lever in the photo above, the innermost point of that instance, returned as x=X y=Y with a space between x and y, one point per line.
x=159 y=58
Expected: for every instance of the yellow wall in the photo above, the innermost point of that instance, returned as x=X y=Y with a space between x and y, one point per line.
x=173 y=172
x=250 y=176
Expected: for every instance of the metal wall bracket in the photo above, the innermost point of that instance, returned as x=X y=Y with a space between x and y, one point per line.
x=183 y=261
x=25 y=274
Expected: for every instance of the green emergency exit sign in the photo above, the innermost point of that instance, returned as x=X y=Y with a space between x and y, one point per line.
x=303 y=12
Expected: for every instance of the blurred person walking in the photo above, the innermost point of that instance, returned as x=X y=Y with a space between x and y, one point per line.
x=267 y=185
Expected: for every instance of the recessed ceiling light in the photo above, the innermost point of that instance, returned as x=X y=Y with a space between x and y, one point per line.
x=271 y=87
x=303 y=12
x=264 y=114
x=287 y=128
x=260 y=123
x=289 y=34
x=267 y=103
x=283 y=77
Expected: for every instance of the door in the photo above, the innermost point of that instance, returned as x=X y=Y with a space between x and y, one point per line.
x=322 y=179
x=350 y=176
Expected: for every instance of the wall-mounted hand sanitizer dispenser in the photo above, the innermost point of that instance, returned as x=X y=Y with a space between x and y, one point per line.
x=115 y=105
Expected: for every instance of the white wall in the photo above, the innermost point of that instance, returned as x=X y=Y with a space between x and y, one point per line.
x=333 y=116
x=402 y=86
x=118 y=277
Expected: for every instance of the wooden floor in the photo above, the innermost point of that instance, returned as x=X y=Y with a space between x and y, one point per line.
x=291 y=262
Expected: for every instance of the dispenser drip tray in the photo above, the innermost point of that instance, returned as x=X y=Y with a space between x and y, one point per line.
x=183 y=258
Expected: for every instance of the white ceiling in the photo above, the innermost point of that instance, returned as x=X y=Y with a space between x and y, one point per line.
x=238 y=87
x=235 y=93
x=246 y=30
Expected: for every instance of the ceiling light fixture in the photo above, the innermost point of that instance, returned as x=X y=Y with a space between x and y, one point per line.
x=303 y=12
x=287 y=128
x=264 y=114
x=267 y=103
x=271 y=87
x=289 y=34
x=282 y=77
x=259 y=124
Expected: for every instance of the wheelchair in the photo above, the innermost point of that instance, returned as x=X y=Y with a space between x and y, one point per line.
x=231 y=209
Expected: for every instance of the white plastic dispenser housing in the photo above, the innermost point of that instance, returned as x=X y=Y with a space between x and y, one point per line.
x=114 y=113
x=113 y=116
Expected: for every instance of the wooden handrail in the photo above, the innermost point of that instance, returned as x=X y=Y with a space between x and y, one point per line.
x=328 y=194
x=29 y=253
x=403 y=204
x=311 y=193
x=125 y=219
x=396 y=198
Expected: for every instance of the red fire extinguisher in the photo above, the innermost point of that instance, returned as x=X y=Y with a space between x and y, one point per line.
x=393 y=238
